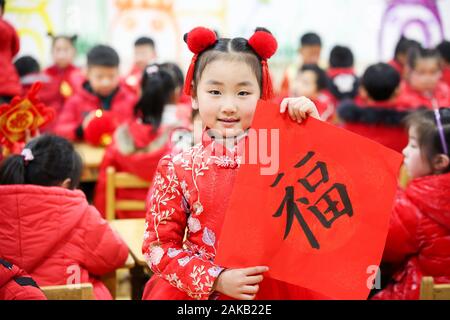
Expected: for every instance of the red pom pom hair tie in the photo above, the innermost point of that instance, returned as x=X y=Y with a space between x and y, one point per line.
x=198 y=40
x=265 y=46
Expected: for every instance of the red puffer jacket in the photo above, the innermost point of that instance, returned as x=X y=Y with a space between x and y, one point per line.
x=409 y=98
x=83 y=102
x=15 y=284
x=136 y=149
x=419 y=237
x=57 y=238
x=9 y=47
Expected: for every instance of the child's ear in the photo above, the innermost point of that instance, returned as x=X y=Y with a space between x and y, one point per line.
x=363 y=92
x=66 y=183
x=194 y=103
x=396 y=93
x=441 y=162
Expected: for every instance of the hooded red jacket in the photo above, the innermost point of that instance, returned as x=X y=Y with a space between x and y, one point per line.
x=409 y=98
x=136 y=150
x=419 y=237
x=57 y=237
x=83 y=102
x=379 y=121
x=15 y=284
x=9 y=47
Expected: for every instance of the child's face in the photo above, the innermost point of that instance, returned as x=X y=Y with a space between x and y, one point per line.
x=310 y=54
x=63 y=53
x=226 y=96
x=143 y=56
x=103 y=80
x=426 y=75
x=306 y=84
x=415 y=162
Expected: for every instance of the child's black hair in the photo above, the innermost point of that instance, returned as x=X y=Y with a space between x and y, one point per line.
x=145 y=41
x=341 y=57
x=404 y=45
x=444 y=50
x=310 y=39
x=321 y=76
x=236 y=48
x=158 y=88
x=2 y=5
x=422 y=53
x=55 y=160
x=380 y=81
x=27 y=65
x=103 y=56
x=429 y=140
x=175 y=71
x=71 y=39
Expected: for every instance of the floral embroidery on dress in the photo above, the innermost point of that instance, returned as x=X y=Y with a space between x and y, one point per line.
x=194 y=225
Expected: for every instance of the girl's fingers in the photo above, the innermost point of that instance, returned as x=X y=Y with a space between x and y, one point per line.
x=254 y=279
x=284 y=104
x=247 y=297
x=255 y=270
x=250 y=289
x=310 y=108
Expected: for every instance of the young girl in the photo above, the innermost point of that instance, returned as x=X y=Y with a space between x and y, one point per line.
x=418 y=242
x=65 y=78
x=63 y=240
x=423 y=86
x=142 y=142
x=191 y=190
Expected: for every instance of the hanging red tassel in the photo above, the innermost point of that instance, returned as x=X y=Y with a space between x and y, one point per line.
x=190 y=77
x=267 y=87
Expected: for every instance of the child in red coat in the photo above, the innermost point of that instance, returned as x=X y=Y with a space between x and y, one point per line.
x=399 y=62
x=9 y=47
x=311 y=82
x=102 y=91
x=375 y=113
x=444 y=51
x=343 y=83
x=423 y=86
x=15 y=284
x=63 y=240
x=65 y=78
x=140 y=144
x=418 y=242
x=187 y=203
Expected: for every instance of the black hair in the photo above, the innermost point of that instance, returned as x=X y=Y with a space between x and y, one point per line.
x=175 y=71
x=422 y=53
x=321 y=76
x=103 y=56
x=27 y=65
x=310 y=39
x=145 y=41
x=380 y=81
x=2 y=5
x=341 y=57
x=404 y=45
x=55 y=160
x=429 y=140
x=236 y=48
x=71 y=39
x=158 y=87
x=444 y=50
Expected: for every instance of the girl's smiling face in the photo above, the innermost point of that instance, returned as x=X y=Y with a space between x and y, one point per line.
x=226 y=96
x=415 y=161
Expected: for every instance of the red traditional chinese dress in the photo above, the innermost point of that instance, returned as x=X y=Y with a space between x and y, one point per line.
x=189 y=197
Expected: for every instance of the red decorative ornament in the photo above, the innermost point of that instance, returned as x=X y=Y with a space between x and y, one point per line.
x=100 y=129
x=198 y=40
x=22 y=115
x=265 y=46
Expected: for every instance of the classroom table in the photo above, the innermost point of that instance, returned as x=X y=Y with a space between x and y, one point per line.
x=132 y=232
x=92 y=158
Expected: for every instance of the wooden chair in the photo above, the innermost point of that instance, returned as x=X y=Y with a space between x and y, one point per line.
x=115 y=180
x=84 y=291
x=431 y=291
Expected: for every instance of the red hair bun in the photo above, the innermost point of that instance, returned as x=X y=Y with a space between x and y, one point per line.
x=264 y=44
x=200 y=39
